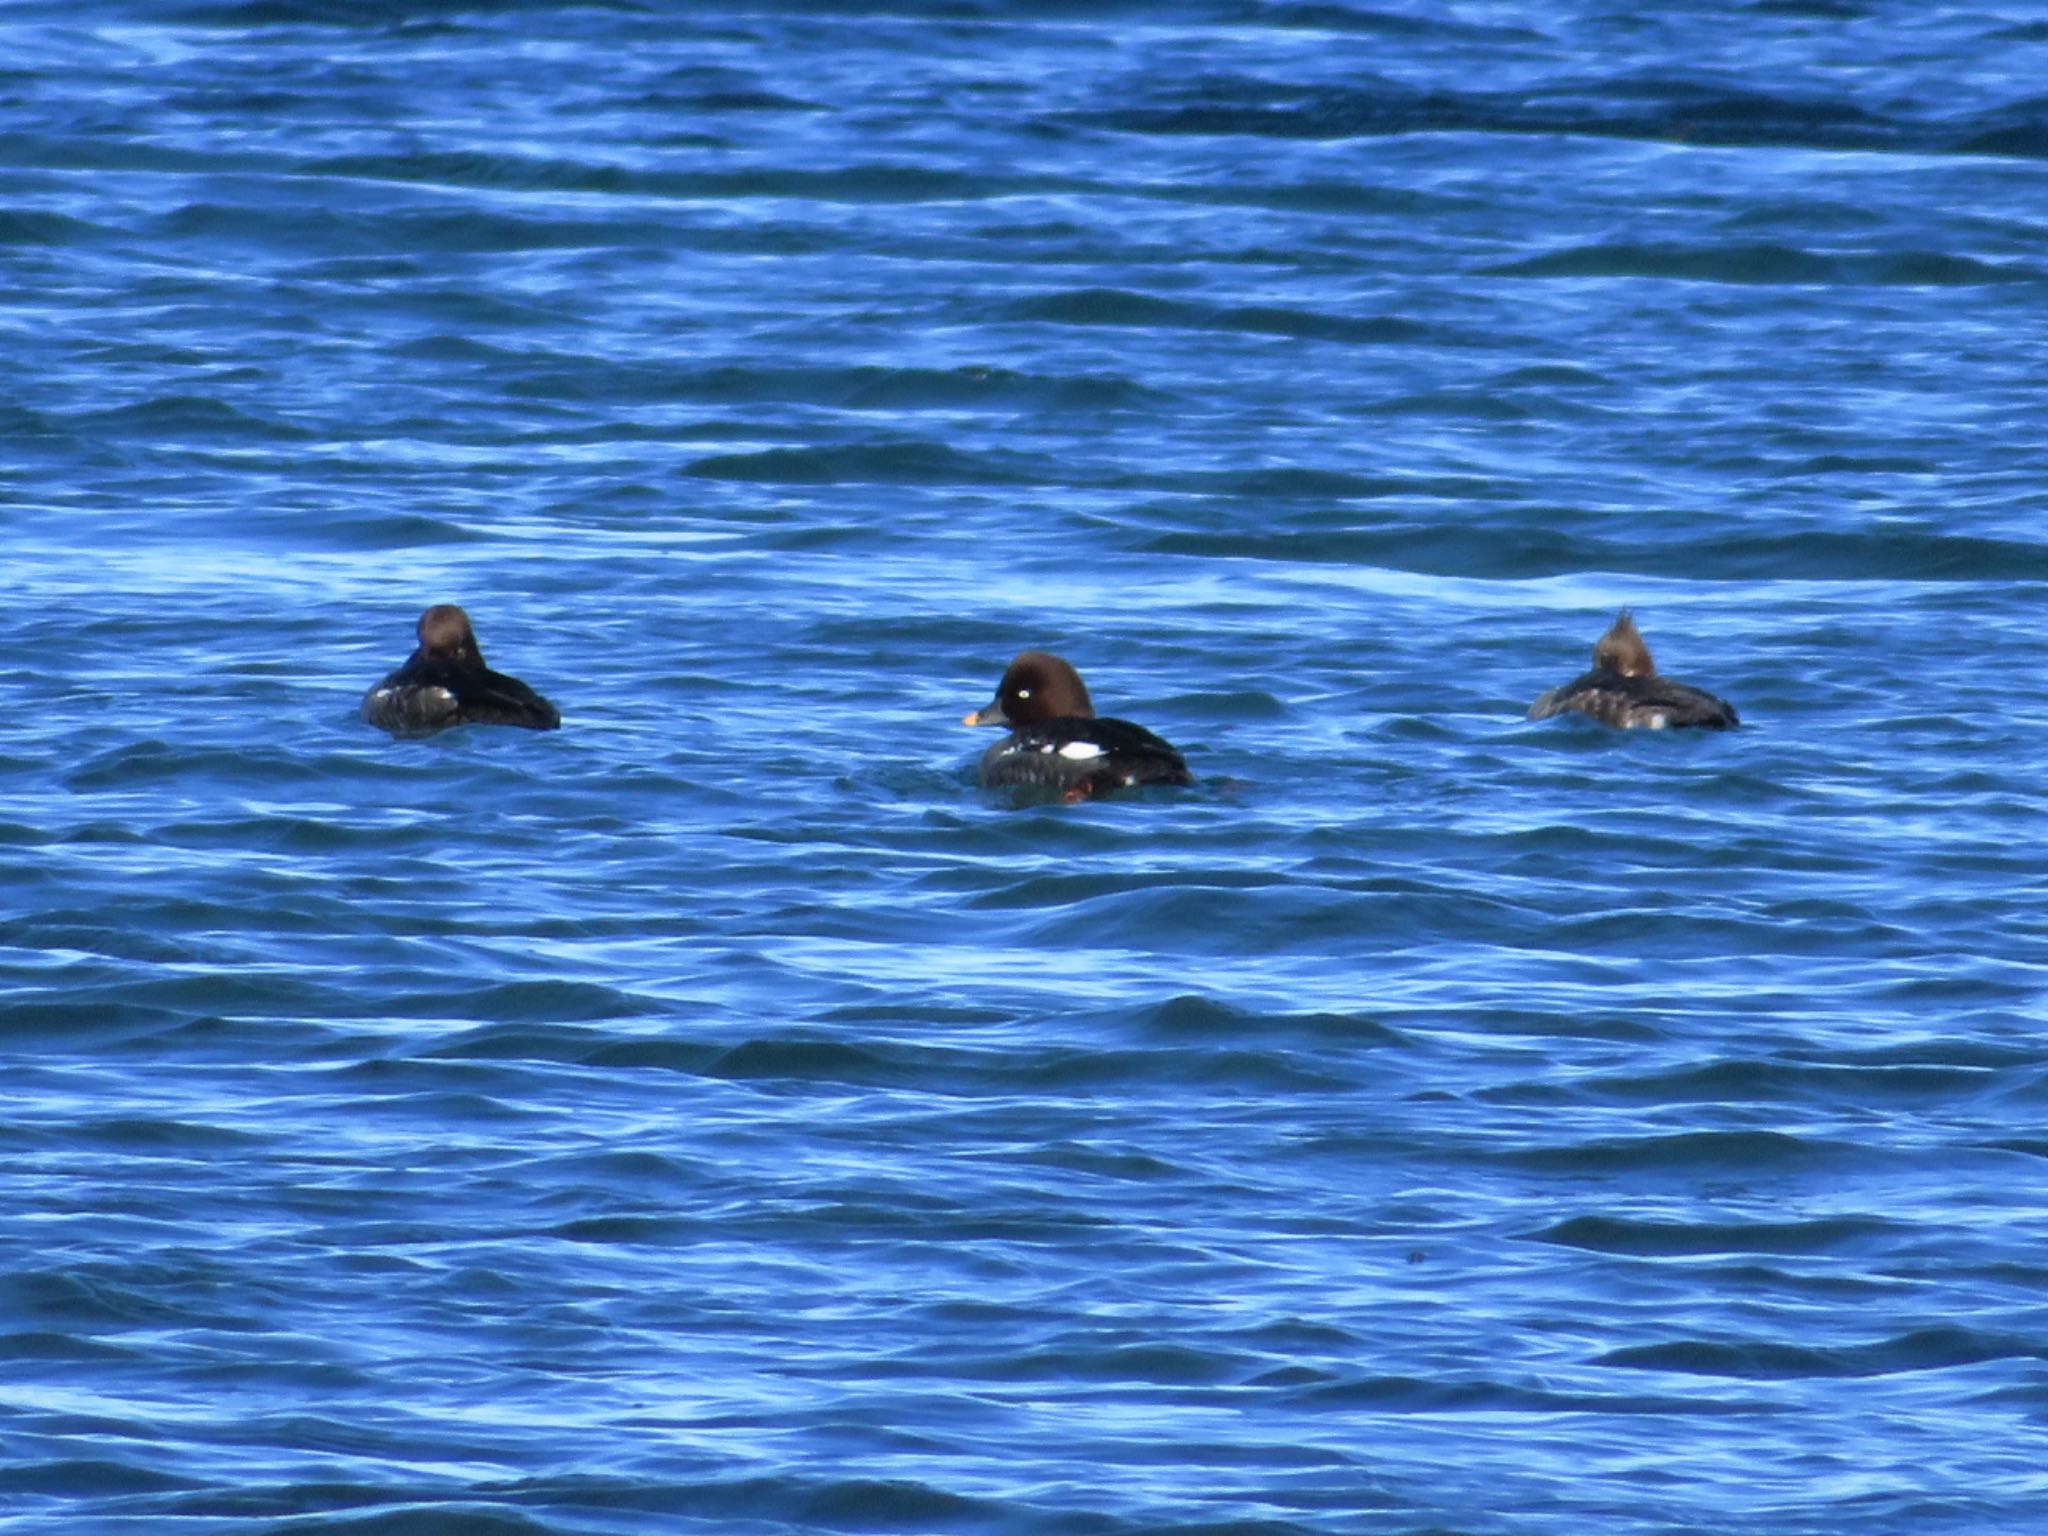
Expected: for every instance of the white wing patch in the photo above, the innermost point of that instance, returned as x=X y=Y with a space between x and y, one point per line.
x=1081 y=751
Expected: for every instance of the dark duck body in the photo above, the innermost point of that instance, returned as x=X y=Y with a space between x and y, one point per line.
x=1624 y=689
x=1058 y=742
x=445 y=682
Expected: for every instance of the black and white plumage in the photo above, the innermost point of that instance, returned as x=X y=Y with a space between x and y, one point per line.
x=445 y=682
x=1058 y=742
x=1624 y=689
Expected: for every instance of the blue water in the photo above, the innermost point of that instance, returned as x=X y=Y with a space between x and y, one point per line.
x=721 y=1115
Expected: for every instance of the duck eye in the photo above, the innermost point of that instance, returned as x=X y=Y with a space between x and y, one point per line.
x=1023 y=693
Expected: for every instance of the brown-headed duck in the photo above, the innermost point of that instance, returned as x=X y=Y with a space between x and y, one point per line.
x=1625 y=689
x=1058 y=742
x=445 y=682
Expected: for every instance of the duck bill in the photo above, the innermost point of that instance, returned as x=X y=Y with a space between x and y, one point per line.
x=991 y=714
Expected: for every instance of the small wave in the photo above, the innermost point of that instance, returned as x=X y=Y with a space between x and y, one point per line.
x=1122 y=307
x=513 y=1006
x=1415 y=1394
x=1104 y=1163
x=1770 y=265
x=1743 y=1082
x=204 y=418
x=153 y=760
x=23 y=226
x=1523 y=550
x=153 y=1003
x=2023 y=140
x=628 y=1230
x=96 y=1476
x=1655 y=109
x=1927 y=1349
x=726 y=99
x=1309 y=16
x=862 y=388
x=1150 y=1364
x=374 y=530
x=36 y=1344
x=173 y=1137
x=872 y=182
x=479 y=169
x=1685 y=1154
x=1316 y=485
x=903 y=461
x=811 y=1059
x=1671 y=1239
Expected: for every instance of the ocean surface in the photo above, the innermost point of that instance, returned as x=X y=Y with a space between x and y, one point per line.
x=722 y=1115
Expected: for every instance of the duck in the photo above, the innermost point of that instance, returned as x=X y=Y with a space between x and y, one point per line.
x=445 y=682
x=1625 y=689
x=1058 y=742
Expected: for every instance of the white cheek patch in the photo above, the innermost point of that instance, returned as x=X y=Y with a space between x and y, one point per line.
x=1080 y=751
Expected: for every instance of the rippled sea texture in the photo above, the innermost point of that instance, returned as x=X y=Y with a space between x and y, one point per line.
x=721 y=1115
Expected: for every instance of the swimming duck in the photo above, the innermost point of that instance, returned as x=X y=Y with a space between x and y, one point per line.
x=445 y=682
x=1624 y=689
x=1057 y=741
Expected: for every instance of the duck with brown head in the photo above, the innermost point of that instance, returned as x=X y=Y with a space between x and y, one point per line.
x=1625 y=689
x=445 y=682
x=1058 y=742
